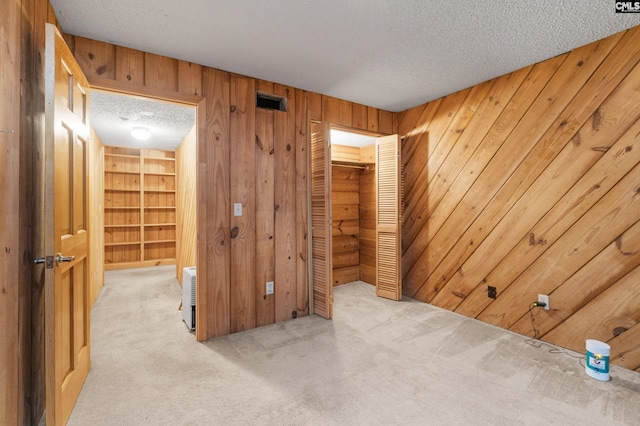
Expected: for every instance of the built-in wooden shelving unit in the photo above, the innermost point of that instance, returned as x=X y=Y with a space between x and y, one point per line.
x=139 y=207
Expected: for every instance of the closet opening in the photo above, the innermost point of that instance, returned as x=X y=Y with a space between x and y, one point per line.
x=353 y=197
x=356 y=213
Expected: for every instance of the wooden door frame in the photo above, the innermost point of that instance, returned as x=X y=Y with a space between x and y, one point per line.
x=199 y=102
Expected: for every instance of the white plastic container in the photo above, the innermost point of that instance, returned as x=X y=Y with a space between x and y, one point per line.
x=597 y=363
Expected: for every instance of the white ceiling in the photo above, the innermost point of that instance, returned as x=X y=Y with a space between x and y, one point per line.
x=114 y=115
x=390 y=54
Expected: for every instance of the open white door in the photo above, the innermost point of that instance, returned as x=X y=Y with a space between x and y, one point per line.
x=65 y=228
x=321 y=246
x=388 y=218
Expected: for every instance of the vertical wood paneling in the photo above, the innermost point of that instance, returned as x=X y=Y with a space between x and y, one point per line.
x=346 y=113
x=186 y=158
x=535 y=195
x=285 y=206
x=359 y=116
x=372 y=119
x=160 y=72
x=265 y=214
x=214 y=297
x=96 y=222
x=331 y=109
x=302 y=217
x=11 y=341
x=129 y=66
x=145 y=72
x=95 y=58
x=345 y=200
x=242 y=126
x=314 y=104
x=368 y=225
x=189 y=78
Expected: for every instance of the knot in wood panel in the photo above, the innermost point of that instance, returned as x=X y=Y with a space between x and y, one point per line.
x=234 y=232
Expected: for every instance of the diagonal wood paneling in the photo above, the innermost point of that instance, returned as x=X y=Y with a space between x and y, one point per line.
x=536 y=194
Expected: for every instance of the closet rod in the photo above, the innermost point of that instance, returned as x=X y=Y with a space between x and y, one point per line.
x=350 y=166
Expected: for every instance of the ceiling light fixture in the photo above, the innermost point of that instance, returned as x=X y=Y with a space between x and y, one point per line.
x=141 y=133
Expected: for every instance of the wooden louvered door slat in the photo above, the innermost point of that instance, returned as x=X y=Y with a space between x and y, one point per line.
x=322 y=264
x=388 y=221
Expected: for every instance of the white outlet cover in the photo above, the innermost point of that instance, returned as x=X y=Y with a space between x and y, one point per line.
x=237 y=209
x=269 y=287
x=544 y=299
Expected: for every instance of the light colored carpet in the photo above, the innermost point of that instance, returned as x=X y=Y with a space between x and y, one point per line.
x=377 y=362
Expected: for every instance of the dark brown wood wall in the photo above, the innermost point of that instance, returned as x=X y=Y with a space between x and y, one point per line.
x=21 y=191
x=529 y=183
x=250 y=156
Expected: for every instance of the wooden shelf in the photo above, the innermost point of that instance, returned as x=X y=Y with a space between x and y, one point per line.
x=122 y=172
x=140 y=212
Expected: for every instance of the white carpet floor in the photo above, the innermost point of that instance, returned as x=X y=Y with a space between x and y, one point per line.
x=377 y=362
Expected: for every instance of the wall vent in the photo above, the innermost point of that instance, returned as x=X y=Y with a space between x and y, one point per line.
x=273 y=102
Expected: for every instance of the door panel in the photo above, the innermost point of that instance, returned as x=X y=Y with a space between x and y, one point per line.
x=321 y=244
x=389 y=216
x=66 y=281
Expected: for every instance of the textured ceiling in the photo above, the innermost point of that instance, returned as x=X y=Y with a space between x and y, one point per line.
x=113 y=116
x=390 y=54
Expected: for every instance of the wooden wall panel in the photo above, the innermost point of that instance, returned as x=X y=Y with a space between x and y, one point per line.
x=186 y=248
x=368 y=225
x=129 y=65
x=302 y=203
x=242 y=128
x=533 y=191
x=214 y=266
x=265 y=214
x=217 y=178
x=95 y=58
x=160 y=72
x=13 y=369
x=148 y=74
x=285 y=206
x=96 y=222
x=345 y=201
x=190 y=78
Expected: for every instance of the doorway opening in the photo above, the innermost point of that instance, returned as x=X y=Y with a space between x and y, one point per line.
x=148 y=207
x=356 y=213
x=353 y=196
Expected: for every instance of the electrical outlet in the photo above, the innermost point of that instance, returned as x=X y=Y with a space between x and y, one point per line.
x=269 y=287
x=237 y=209
x=543 y=298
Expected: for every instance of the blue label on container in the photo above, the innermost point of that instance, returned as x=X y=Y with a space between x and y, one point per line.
x=598 y=363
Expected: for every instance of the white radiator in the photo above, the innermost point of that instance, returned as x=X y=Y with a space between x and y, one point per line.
x=189 y=297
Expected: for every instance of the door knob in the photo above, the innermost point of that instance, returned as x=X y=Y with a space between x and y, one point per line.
x=60 y=258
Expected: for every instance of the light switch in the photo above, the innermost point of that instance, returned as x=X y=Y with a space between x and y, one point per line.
x=237 y=209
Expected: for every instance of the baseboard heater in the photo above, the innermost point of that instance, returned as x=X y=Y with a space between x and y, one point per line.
x=189 y=297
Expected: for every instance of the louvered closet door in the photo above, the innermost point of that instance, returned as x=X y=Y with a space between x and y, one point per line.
x=322 y=268
x=388 y=222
